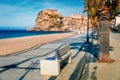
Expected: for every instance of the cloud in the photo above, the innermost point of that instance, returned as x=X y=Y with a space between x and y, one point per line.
x=25 y=19
x=6 y=9
x=68 y=11
x=16 y=15
x=24 y=12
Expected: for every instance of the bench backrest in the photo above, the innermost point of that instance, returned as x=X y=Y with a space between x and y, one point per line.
x=62 y=51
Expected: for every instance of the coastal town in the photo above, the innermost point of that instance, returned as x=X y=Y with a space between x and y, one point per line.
x=80 y=46
x=45 y=22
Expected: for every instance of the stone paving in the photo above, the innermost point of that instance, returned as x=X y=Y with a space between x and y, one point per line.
x=108 y=71
x=25 y=65
x=115 y=36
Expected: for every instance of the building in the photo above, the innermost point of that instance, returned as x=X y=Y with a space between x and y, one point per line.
x=75 y=22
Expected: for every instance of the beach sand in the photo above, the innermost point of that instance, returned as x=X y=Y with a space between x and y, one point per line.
x=8 y=46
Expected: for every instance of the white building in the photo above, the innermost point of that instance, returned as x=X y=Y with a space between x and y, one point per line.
x=117 y=20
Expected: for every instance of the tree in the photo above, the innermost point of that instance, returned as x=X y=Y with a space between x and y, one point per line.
x=105 y=14
x=104 y=11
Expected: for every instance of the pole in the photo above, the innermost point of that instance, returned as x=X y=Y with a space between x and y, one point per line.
x=87 y=39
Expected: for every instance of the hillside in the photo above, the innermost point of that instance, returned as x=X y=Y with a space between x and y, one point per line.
x=48 y=20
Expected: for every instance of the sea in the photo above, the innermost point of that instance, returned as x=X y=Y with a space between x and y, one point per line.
x=5 y=34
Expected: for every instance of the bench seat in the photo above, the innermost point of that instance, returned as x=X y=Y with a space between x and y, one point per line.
x=52 y=65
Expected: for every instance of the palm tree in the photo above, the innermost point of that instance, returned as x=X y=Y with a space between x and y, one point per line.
x=105 y=14
x=104 y=11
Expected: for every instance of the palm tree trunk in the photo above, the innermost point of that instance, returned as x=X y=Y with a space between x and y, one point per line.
x=104 y=55
x=98 y=34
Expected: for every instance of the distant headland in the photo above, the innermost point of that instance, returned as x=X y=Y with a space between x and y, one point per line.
x=51 y=20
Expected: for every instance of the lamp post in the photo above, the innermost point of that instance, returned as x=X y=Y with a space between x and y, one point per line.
x=87 y=39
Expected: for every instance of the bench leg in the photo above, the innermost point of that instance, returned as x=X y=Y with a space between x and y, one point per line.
x=49 y=67
x=70 y=58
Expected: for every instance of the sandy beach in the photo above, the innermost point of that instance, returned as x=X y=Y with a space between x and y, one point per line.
x=8 y=46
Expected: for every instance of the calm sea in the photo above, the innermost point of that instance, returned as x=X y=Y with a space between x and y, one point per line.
x=4 y=34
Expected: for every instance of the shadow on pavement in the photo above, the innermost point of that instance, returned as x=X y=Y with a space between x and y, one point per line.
x=78 y=47
x=93 y=50
x=31 y=66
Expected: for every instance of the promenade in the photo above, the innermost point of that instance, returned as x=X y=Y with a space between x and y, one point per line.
x=108 y=71
x=25 y=65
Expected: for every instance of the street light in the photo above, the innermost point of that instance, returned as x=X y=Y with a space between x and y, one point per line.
x=87 y=39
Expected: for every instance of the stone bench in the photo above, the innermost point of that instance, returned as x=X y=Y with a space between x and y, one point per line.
x=52 y=65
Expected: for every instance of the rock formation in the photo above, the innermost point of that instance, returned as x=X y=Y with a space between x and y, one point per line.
x=48 y=20
x=51 y=20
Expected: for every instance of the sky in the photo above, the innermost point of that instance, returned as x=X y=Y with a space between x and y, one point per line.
x=22 y=13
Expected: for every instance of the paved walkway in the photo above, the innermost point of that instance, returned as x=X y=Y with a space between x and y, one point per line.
x=108 y=71
x=24 y=65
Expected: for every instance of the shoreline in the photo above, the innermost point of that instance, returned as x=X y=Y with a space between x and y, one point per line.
x=27 y=33
x=12 y=45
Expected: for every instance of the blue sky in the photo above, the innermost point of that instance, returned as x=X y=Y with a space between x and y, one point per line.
x=22 y=13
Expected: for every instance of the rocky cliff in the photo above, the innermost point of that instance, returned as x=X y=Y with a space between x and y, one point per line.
x=48 y=20
x=51 y=20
